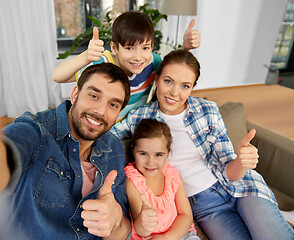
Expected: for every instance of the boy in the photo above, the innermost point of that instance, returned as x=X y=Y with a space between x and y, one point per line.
x=131 y=49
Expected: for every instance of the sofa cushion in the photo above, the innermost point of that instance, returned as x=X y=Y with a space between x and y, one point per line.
x=234 y=119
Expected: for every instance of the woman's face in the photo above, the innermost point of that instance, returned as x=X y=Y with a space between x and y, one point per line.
x=174 y=86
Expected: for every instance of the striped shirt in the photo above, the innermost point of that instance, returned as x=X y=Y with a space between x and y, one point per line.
x=209 y=135
x=141 y=84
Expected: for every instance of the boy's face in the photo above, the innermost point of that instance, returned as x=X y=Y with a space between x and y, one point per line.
x=133 y=59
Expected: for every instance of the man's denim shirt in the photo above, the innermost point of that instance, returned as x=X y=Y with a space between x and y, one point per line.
x=46 y=203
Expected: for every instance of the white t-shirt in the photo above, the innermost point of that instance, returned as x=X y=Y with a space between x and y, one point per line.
x=186 y=158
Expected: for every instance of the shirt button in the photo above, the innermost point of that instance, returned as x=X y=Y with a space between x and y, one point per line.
x=93 y=160
x=61 y=173
x=78 y=229
x=74 y=150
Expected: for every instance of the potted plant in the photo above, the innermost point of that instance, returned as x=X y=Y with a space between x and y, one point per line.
x=105 y=32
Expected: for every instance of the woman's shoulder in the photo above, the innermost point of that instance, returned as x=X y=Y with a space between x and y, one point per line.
x=202 y=105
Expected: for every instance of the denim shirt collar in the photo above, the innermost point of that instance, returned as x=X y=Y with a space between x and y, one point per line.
x=63 y=128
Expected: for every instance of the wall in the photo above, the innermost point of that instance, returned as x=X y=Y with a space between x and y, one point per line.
x=237 y=40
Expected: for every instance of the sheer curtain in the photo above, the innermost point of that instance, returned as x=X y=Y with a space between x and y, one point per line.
x=28 y=52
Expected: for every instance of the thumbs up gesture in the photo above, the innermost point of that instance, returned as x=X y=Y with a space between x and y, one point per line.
x=102 y=215
x=95 y=47
x=246 y=152
x=148 y=215
x=192 y=37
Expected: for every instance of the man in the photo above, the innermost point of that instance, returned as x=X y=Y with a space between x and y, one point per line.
x=64 y=184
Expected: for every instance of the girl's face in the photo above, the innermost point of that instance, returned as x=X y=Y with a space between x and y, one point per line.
x=174 y=86
x=150 y=155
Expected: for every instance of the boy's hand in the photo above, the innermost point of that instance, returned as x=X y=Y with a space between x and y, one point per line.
x=148 y=215
x=102 y=215
x=247 y=153
x=192 y=37
x=95 y=47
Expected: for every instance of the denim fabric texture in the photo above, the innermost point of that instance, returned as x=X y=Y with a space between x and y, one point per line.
x=222 y=216
x=46 y=203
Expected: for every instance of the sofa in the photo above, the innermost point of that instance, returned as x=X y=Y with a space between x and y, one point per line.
x=276 y=154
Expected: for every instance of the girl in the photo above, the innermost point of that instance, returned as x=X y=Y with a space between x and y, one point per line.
x=229 y=200
x=158 y=202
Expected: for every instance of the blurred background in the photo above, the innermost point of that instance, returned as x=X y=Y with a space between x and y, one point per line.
x=243 y=42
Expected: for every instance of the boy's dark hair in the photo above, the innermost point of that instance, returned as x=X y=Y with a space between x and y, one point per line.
x=183 y=57
x=150 y=128
x=132 y=27
x=111 y=71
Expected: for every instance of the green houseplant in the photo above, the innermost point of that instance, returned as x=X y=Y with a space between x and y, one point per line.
x=105 y=32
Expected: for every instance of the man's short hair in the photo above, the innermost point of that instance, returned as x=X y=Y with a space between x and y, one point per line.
x=111 y=71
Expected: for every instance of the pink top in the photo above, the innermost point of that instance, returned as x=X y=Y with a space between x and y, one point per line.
x=165 y=203
x=89 y=175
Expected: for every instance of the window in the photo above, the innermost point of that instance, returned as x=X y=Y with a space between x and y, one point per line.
x=281 y=58
x=71 y=17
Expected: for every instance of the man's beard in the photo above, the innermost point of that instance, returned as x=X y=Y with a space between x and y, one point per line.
x=82 y=130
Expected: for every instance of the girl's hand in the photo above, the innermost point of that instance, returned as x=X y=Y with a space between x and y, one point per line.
x=148 y=215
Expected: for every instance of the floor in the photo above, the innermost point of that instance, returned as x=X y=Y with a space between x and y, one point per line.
x=270 y=106
x=4 y=121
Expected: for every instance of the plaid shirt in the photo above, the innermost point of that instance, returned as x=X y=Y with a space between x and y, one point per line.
x=209 y=135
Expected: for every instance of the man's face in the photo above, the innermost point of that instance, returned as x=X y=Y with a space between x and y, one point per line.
x=133 y=59
x=95 y=107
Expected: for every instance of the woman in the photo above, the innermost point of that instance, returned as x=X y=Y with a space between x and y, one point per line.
x=229 y=200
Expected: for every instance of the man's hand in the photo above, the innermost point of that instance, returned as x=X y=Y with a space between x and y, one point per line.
x=95 y=47
x=103 y=215
x=148 y=215
x=247 y=153
x=192 y=37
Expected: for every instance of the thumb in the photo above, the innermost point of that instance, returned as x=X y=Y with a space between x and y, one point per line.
x=191 y=24
x=248 y=137
x=106 y=188
x=145 y=202
x=95 y=33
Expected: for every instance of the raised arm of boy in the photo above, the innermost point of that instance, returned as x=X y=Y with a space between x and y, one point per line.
x=65 y=72
x=192 y=37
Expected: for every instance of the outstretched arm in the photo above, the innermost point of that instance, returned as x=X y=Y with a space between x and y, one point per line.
x=4 y=168
x=65 y=72
x=247 y=158
x=192 y=37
